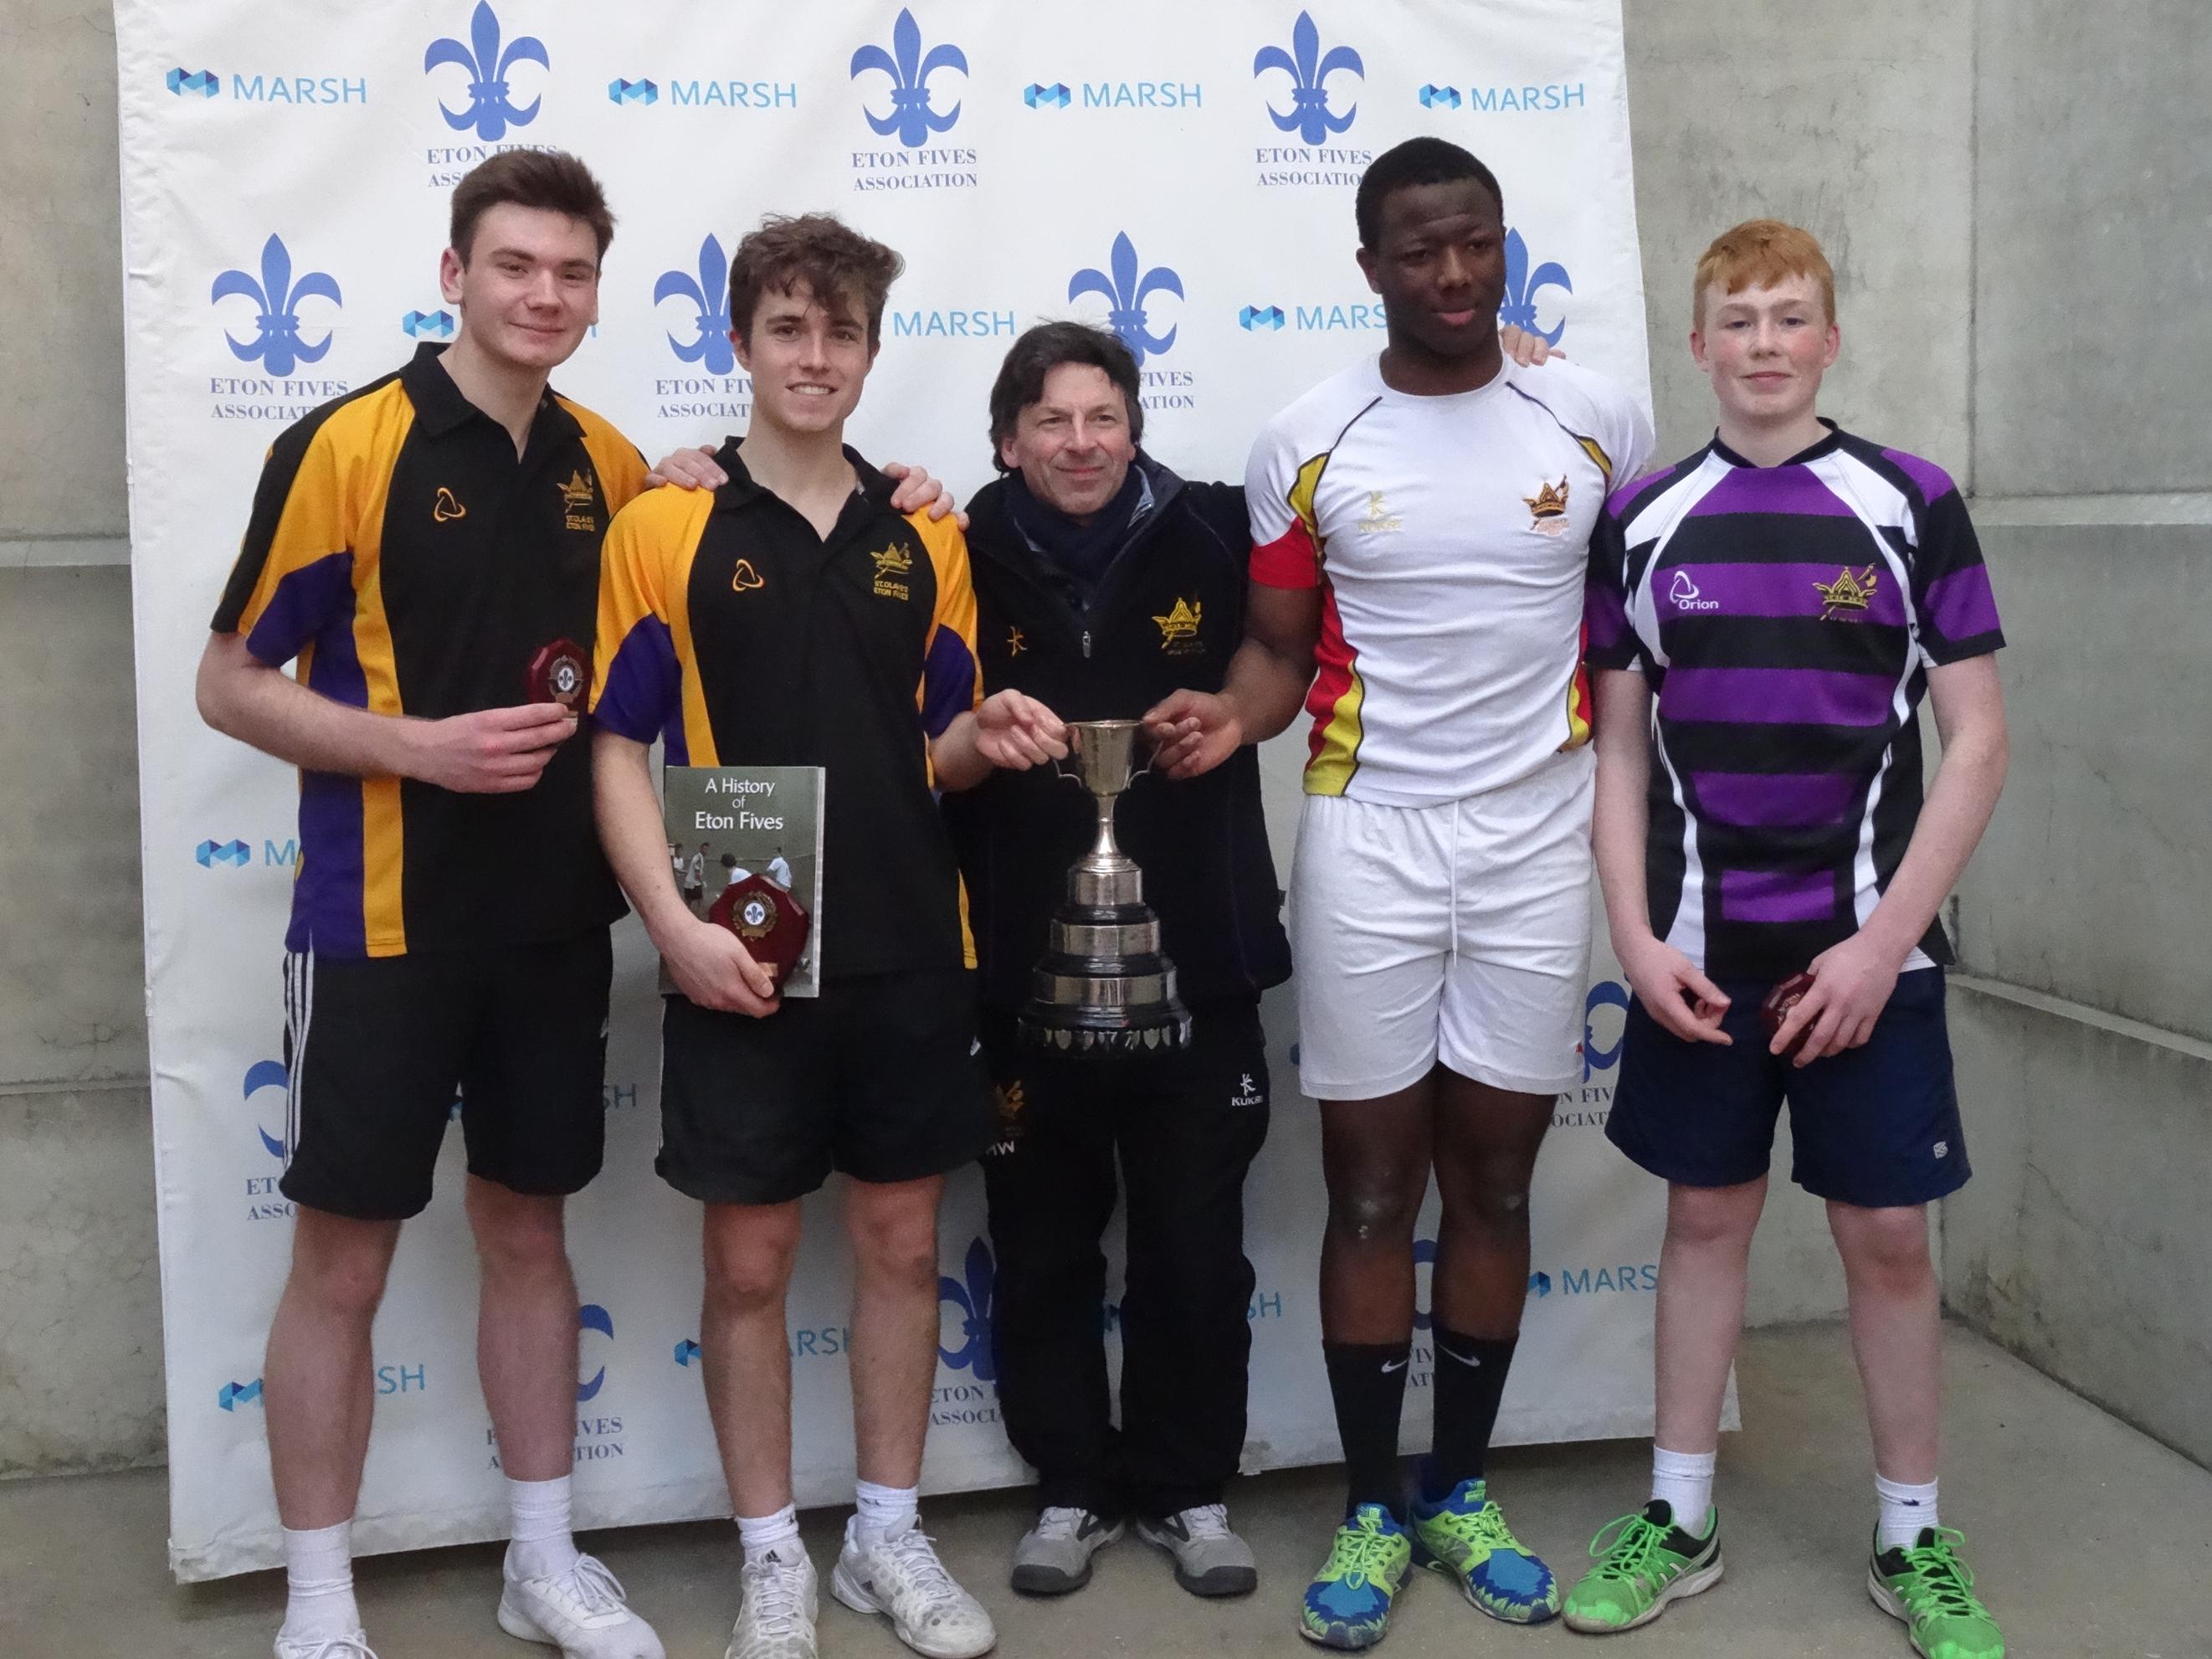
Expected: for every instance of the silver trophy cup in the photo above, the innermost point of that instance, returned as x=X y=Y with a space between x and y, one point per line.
x=1104 y=986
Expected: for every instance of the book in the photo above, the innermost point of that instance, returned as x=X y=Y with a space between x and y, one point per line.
x=726 y=822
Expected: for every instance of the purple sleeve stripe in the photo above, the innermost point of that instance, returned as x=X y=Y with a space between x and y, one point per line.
x=1933 y=481
x=948 y=682
x=1624 y=498
x=1960 y=606
x=1774 y=800
x=643 y=693
x=1604 y=618
x=327 y=914
x=1777 y=696
x=1777 y=895
x=306 y=601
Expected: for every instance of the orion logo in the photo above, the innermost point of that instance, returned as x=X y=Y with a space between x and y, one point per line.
x=428 y=325
x=1596 y=1057
x=232 y=1395
x=1540 y=1285
x=1252 y=316
x=490 y=110
x=267 y=1074
x=1440 y=98
x=203 y=84
x=277 y=342
x=592 y=1317
x=708 y=294
x=1125 y=292
x=1308 y=68
x=1522 y=285
x=1056 y=96
x=235 y=854
x=620 y=91
x=912 y=118
x=972 y=1298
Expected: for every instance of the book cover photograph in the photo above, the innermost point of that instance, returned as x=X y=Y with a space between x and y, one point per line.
x=745 y=843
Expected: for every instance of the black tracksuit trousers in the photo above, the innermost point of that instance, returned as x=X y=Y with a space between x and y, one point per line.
x=1184 y=1128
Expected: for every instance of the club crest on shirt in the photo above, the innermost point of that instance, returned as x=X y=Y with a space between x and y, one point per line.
x=1547 y=507
x=1015 y=643
x=446 y=506
x=1850 y=592
x=744 y=579
x=578 y=497
x=892 y=562
x=1179 y=628
x=1380 y=520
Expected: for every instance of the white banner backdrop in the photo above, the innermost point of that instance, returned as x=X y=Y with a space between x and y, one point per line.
x=1184 y=173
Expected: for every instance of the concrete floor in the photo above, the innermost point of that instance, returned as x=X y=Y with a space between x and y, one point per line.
x=2091 y=1540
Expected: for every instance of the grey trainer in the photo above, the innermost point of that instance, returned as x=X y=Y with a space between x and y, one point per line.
x=1054 y=1555
x=1209 y=1559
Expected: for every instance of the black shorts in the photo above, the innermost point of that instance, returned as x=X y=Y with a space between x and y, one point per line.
x=877 y=1077
x=1877 y=1126
x=382 y=1051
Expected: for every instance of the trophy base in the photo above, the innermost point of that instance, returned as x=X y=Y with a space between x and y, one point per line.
x=1083 y=1032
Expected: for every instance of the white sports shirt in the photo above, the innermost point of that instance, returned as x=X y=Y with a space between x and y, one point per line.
x=1450 y=537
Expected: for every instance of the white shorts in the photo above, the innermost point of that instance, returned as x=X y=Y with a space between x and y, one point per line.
x=1459 y=932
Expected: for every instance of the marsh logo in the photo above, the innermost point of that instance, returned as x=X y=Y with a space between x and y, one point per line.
x=1540 y=1284
x=1639 y=1278
x=203 y=83
x=488 y=61
x=277 y=342
x=594 y=1317
x=913 y=116
x=1440 y=98
x=686 y=1353
x=1311 y=115
x=703 y=91
x=1522 y=285
x=428 y=325
x=1333 y=318
x=1036 y=96
x=1256 y=317
x=974 y=322
x=231 y=1395
x=299 y=89
x=971 y=1297
x=1548 y=97
x=1126 y=293
x=620 y=91
x=707 y=294
x=235 y=854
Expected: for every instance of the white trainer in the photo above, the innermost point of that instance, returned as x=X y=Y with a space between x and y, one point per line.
x=902 y=1578
x=777 y=1602
x=354 y=1645
x=582 y=1611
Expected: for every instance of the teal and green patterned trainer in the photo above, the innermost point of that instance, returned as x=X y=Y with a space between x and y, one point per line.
x=1348 y=1603
x=1927 y=1585
x=1643 y=1562
x=1464 y=1536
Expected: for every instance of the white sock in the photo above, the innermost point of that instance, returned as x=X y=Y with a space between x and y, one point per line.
x=540 y=1546
x=319 y=1583
x=760 y=1534
x=882 y=1510
x=1904 y=1510
x=1685 y=1480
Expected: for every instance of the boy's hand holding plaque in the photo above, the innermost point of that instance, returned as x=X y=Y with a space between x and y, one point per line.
x=561 y=672
x=771 y=924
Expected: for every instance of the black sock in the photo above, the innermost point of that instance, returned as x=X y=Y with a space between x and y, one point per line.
x=1468 y=1380
x=1367 y=1381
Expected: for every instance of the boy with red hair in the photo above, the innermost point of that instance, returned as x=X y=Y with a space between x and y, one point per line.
x=1787 y=594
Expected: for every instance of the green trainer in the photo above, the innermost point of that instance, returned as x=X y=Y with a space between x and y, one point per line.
x=1464 y=1535
x=1925 y=1584
x=1348 y=1604
x=1647 y=1562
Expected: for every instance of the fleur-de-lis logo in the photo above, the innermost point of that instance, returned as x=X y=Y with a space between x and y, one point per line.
x=491 y=111
x=276 y=339
x=974 y=1300
x=708 y=293
x=1308 y=68
x=1522 y=285
x=911 y=118
x=1125 y=293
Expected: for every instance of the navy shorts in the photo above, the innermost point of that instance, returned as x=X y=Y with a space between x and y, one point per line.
x=1875 y=1126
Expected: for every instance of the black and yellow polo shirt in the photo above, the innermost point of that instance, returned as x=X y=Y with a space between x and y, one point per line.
x=729 y=628
x=413 y=565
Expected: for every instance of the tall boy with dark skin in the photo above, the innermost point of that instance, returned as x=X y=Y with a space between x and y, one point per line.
x=1400 y=512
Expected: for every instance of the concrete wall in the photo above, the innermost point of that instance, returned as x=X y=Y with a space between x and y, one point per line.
x=2083 y=1053
x=2072 y=378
